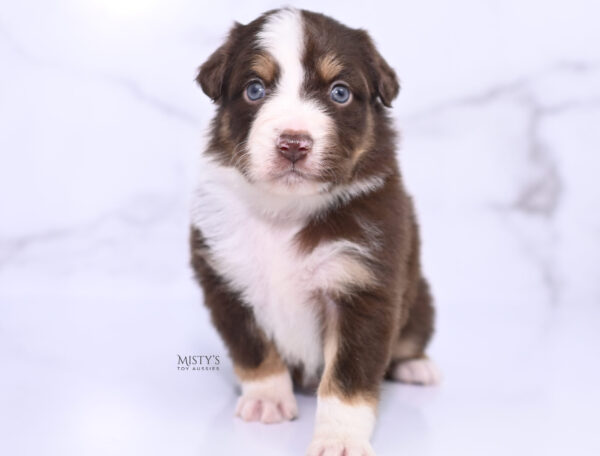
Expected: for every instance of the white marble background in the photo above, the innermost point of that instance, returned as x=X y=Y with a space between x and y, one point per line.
x=100 y=127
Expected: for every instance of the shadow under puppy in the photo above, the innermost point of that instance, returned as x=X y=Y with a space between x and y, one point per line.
x=303 y=237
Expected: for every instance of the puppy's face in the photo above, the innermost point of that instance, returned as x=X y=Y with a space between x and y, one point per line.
x=299 y=97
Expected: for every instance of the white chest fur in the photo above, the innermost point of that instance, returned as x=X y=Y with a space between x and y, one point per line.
x=260 y=260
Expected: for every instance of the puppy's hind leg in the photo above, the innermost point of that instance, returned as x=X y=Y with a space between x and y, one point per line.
x=409 y=364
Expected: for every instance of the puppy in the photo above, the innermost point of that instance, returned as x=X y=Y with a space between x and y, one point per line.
x=303 y=237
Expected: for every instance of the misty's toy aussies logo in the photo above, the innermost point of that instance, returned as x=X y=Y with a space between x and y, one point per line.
x=198 y=362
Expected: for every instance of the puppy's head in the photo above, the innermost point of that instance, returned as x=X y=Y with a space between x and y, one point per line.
x=300 y=99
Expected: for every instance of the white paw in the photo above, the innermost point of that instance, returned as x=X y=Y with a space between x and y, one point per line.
x=421 y=371
x=269 y=401
x=266 y=410
x=339 y=446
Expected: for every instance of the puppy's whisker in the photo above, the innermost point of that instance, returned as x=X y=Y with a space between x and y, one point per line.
x=239 y=152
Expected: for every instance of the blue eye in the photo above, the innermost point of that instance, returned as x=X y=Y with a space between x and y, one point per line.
x=340 y=93
x=255 y=91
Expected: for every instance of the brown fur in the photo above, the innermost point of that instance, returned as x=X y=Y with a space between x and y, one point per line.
x=385 y=315
x=271 y=364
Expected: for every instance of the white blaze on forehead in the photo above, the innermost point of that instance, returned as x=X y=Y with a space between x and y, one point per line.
x=282 y=36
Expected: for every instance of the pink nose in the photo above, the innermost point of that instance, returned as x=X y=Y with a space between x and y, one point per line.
x=294 y=145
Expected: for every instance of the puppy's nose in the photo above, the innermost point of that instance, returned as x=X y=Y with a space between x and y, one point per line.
x=294 y=145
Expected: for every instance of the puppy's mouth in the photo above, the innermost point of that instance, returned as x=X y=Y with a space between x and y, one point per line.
x=292 y=174
x=292 y=180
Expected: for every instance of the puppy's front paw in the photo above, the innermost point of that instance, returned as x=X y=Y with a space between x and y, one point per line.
x=339 y=446
x=266 y=409
x=269 y=400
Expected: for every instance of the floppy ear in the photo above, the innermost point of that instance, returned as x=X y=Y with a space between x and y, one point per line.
x=211 y=74
x=385 y=80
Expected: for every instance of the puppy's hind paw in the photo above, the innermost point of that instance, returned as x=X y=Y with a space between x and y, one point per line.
x=420 y=371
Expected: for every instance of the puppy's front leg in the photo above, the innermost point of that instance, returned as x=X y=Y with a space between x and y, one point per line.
x=267 y=391
x=358 y=331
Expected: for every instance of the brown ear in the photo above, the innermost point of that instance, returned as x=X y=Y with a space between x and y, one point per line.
x=211 y=74
x=387 y=84
x=385 y=80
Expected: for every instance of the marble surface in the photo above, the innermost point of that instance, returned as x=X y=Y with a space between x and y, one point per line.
x=101 y=124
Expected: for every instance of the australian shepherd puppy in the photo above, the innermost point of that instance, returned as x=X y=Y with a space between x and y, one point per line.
x=303 y=237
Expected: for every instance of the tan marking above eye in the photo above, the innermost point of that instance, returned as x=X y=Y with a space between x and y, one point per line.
x=264 y=66
x=329 y=67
